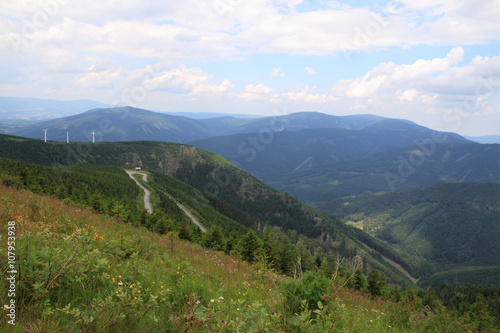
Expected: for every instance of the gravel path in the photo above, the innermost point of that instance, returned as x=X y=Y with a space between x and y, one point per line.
x=147 y=193
x=147 y=201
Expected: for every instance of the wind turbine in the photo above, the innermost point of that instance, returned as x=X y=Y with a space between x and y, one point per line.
x=45 y=134
x=67 y=136
x=93 y=136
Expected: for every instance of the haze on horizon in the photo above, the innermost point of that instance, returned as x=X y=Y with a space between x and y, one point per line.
x=433 y=62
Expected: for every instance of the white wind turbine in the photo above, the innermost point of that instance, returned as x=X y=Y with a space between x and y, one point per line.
x=45 y=134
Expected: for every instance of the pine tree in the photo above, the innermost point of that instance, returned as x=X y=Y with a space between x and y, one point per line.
x=249 y=245
x=375 y=282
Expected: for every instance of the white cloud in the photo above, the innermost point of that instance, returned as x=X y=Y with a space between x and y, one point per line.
x=389 y=77
x=277 y=72
x=183 y=80
x=103 y=78
x=310 y=70
x=305 y=95
x=256 y=92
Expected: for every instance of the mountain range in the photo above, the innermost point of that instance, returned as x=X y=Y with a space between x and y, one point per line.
x=343 y=166
x=133 y=124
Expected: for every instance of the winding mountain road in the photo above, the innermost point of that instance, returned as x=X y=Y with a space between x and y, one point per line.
x=147 y=201
x=147 y=193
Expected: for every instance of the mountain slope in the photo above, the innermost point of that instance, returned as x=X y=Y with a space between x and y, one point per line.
x=448 y=225
x=132 y=124
x=166 y=284
x=220 y=186
x=400 y=169
x=116 y=124
x=269 y=155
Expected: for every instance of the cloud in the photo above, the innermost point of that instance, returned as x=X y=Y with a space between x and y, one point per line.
x=256 y=92
x=183 y=80
x=305 y=95
x=276 y=72
x=389 y=77
x=310 y=70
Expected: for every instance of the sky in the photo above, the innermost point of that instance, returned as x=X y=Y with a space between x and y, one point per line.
x=433 y=62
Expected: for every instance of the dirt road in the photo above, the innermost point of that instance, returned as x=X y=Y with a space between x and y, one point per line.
x=147 y=193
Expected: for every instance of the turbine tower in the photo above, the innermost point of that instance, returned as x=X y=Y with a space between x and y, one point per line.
x=45 y=134
x=67 y=137
x=93 y=136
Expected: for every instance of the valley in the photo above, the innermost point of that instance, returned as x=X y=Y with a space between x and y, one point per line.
x=419 y=206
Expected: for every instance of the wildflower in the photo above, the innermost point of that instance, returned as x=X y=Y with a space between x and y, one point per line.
x=212 y=300
x=120 y=283
x=138 y=291
x=198 y=302
x=161 y=287
x=221 y=298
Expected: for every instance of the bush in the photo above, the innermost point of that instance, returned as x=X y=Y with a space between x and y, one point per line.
x=309 y=289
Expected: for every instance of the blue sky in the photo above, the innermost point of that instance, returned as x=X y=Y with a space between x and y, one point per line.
x=434 y=62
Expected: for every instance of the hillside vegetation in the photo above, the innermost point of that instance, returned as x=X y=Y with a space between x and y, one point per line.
x=229 y=191
x=83 y=271
x=456 y=227
x=269 y=155
x=133 y=124
x=396 y=170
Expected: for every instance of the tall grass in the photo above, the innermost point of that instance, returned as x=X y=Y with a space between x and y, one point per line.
x=84 y=272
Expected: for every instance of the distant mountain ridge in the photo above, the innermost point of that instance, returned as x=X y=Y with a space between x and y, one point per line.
x=15 y=109
x=133 y=124
x=485 y=139
x=273 y=155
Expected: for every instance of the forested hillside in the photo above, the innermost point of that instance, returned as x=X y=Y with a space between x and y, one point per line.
x=271 y=155
x=231 y=192
x=456 y=227
x=83 y=271
x=400 y=169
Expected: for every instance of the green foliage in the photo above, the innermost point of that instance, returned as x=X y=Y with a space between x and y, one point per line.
x=452 y=226
x=214 y=239
x=307 y=291
x=87 y=272
x=376 y=283
x=359 y=281
x=449 y=163
x=248 y=246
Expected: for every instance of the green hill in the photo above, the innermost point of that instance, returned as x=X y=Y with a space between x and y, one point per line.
x=217 y=187
x=271 y=155
x=133 y=124
x=400 y=169
x=86 y=272
x=455 y=227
